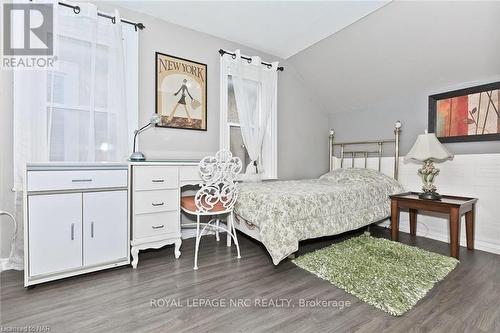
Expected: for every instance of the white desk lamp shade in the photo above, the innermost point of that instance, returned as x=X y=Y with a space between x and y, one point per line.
x=428 y=147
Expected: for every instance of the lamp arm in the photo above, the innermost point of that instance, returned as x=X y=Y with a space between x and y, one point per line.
x=137 y=131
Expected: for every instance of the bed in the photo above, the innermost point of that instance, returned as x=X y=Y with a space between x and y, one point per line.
x=279 y=214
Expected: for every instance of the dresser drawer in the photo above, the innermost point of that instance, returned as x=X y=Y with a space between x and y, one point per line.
x=75 y=179
x=147 y=225
x=155 y=177
x=155 y=201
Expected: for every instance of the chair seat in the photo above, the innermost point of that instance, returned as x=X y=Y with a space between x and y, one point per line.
x=189 y=204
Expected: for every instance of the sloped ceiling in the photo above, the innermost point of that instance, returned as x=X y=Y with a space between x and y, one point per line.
x=404 y=47
x=281 y=28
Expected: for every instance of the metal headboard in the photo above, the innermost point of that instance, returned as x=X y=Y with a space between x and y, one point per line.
x=376 y=145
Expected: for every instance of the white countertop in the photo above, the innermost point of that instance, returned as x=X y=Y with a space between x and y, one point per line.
x=76 y=165
x=105 y=165
x=165 y=162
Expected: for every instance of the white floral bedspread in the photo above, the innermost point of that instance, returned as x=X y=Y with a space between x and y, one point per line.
x=287 y=212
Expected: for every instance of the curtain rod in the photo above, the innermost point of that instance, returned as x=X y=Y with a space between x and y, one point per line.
x=222 y=52
x=76 y=10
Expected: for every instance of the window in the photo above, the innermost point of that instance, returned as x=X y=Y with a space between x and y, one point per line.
x=236 y=145
x=72 y=111
x=231 y=137
x=75 y=111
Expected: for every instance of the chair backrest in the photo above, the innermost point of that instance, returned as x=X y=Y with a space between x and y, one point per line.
x=218 y=174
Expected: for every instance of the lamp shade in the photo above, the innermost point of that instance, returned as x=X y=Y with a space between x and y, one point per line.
x=428 y=147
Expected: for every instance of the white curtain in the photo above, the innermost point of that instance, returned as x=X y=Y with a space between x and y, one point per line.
x=254 y=89
x=75 y=111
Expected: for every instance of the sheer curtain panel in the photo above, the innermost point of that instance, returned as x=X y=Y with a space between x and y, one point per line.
x=255 y=90
x=77 y=110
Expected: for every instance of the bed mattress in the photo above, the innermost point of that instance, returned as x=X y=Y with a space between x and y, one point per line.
x=286 y=212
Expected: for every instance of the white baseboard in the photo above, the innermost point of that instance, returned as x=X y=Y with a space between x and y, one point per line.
x=6 y=265
x=472 y=175
x=479 y=244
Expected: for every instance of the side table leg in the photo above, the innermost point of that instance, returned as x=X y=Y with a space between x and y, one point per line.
x=454 y=232
x=394 y=220
x=413 y=222
x=469 y=228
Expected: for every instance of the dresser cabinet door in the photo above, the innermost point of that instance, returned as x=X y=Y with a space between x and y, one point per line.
x=104 y=227
x=55 y=233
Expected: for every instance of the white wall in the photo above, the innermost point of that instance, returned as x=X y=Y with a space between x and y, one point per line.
x=469 y=175
x=472 y=175
x=6 y=167
x=302 y=122
x=384 y=67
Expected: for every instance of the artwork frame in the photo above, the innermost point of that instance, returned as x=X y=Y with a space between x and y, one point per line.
x=179 y=81
x=438 y=103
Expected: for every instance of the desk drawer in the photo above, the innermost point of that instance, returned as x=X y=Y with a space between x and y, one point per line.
x=156 y=201
x=155 y=177
x=147 y=225
x=75 y=179
x=190 y=174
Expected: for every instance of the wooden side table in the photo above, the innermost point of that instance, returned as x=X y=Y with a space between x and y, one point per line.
x=451 y=205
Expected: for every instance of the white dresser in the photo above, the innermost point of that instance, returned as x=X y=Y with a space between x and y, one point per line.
x=76 y=219
x=155 y=188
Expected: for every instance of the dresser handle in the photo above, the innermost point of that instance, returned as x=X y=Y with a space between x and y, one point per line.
x=158 y=180
x=92 y=229
x=158 y=204
x=72 y=231
x=81 y=180
x=158 y=226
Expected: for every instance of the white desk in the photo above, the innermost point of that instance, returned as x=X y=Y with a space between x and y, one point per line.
x=155 y=188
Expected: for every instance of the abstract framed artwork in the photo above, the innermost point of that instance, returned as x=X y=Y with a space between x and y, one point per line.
x=181 y=92
x=470 y=114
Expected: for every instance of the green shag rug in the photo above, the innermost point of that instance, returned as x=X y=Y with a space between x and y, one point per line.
x=391 y=276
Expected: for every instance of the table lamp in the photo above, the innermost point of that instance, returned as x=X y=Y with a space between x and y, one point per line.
x=137 y=155
x=428 y=149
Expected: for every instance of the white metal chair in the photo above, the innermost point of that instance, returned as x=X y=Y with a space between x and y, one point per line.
x=217 y=196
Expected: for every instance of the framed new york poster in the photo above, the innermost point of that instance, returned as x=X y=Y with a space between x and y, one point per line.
x=470 y=114
x=181 y=92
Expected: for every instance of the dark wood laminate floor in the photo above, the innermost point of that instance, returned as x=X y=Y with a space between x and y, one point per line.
x=468 y=300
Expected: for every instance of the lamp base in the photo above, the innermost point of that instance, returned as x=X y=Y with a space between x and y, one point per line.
x=428 y=172
x=429 y=196
x=137 y=156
